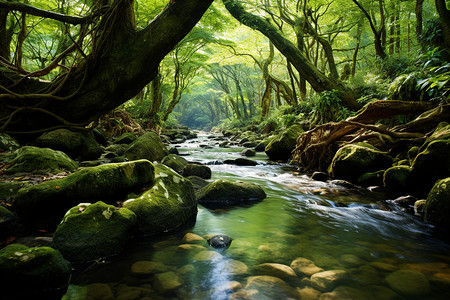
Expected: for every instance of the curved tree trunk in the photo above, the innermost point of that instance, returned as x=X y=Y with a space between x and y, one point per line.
x=316 y=79
x=121 y=64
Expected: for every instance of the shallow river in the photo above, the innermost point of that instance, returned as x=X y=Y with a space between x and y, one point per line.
x=328 y=226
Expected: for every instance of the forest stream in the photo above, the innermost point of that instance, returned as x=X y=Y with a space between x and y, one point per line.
x=354 y=232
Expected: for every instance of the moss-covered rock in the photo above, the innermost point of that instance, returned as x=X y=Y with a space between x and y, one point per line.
x=116 y=150
x=41 y=160
x=409 y=283
x=9 y=189
x=412 y=153
x=197 y=182
x=201 y=171
x=125 y=138
x=147 y=146
x=169 y=205
x=396 y=179
x=281 y=146
x=33 y=273
x=351 y=161
x=80 y=145
x=437 y=206
x=91 y=231
x=7 y=143
x=45 y=204
x=431 y=164
x=371 y=178
x=176 y=162
x=223 y=193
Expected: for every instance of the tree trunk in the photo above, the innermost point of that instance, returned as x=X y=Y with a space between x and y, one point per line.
x=120 y=65
x=153 y=121
x=444 y=16
x=419 y=19
x=316 y=79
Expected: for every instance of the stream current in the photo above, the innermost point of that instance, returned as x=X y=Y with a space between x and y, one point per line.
x=333 y=227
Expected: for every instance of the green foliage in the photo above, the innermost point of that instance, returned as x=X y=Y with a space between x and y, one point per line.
x=431 y=34
x=326 y=107
x=437 y=86
x=369 y=86
x=394 y=65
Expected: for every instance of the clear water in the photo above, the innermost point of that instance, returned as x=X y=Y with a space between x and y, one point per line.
x=335 y=228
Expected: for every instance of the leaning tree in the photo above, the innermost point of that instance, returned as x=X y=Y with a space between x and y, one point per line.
x=115 y=60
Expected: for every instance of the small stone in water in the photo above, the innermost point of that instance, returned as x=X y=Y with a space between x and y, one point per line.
x=220 y=241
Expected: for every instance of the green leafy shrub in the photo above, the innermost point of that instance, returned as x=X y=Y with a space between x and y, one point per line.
x=327 y=108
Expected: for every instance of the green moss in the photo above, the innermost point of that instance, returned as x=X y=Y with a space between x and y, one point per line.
x=34 y=159
x=397 y=179
x=148 y=146
x=176 y=162
x=7 y=143
x=371 y=178
x=167 y=206
x=32 y=269
x=91 y=231
x=437 y=206
x=110 y=182
x=125 y=138
x=281 y=146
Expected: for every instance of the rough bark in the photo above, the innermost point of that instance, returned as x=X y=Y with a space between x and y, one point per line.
x=444 y=16
x=119 y=67
x=316 y=79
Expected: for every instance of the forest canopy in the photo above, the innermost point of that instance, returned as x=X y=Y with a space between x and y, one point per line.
x=65 y=63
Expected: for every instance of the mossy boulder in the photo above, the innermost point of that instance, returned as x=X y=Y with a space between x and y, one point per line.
x=169 y=205
x=281 y=146
x=41 y=160
x=45 y=204
x=176 y=162
x=91 y=231
x=396 y=179
x=78 y=145
x=371 y=178
x=351 y=161
x=147 y=146
x=201 y=171
x=7 y=221
x=223 y=193
x=125 y=138
x=442 y=132
x=33 y=273
x=7 y=143
x=9 y=189
x=431 y=164
x=197 y=182
x=437 y=206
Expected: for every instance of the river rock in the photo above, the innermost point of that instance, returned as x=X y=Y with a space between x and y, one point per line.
x=41 y=160
x=320 y=176
x=167 y=206
x=281 y=146
x=45 y=204
x=167 y=283
x=145 y=268
x=197 y=182
x=371 y=179
x=222 y=193
x=351 y=161
x=327 y=280
x=248 y=152
x=278 y=270
x=74 y=143
x=235 y=267
x=207 y=255
x=192 y=238
x=125 y=138
x=7 y=143
x=305 y=267
x=261 y=146
x=396 y=180
x=346 y=293
x=90 y=291
x=190 y=247
x=431 y=164
x=270 y=287
x=437 y=206
x=27 y=272
x=408 y=283
x=175 y=162
x=91 y=231
x=201 y=171
x=147 y=146
x=245 y=162
x=220 y=241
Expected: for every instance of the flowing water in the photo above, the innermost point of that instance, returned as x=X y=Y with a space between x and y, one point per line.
x=333 y=227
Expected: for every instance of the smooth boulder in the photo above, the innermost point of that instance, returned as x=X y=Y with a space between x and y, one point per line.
x=41 y=160
x=147 y=146
x=437 y=205
x=91 y=231
x=176 y=162
x=44 y=205
x=201 y=171
x=223 y=193
x=33 y=273
x=281 y=146
x=396 y=179
x=352 y=161
x=167 y=206
x=76 y=144
x=409 y=283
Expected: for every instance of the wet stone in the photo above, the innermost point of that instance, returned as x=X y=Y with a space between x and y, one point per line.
x=278 y=270
x=408 y=283
x=304 y=266
x=220 y=241
x=211 y=256
x=192 y=238
x=145 y=268
x=327 y=280
x=167 y=283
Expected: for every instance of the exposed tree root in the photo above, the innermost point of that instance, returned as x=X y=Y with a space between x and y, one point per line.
x=316 y=147
x=118 y=122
